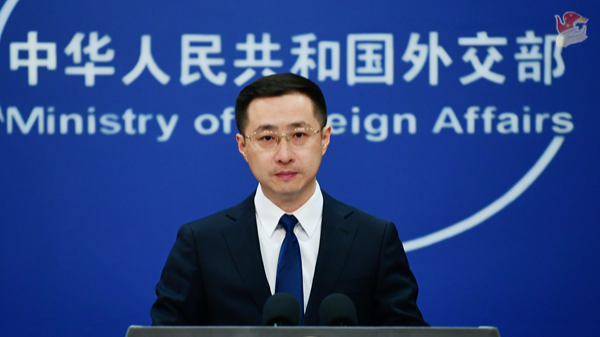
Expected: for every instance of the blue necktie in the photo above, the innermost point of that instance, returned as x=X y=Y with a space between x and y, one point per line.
x=289 y=265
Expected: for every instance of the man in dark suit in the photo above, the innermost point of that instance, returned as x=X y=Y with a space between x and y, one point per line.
x=288 y=236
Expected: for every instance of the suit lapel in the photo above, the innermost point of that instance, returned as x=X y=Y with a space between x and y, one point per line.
x=337 y=235
x=242 y=240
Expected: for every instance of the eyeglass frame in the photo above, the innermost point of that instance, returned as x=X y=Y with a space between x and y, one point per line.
x=278 y=135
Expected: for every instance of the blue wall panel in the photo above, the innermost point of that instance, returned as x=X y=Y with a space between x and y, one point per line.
x=87 y=219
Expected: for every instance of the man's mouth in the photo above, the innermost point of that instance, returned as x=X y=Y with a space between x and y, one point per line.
x=286 y=175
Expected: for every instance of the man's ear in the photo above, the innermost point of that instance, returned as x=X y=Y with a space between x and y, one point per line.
x=325 y=138
x=241 y=145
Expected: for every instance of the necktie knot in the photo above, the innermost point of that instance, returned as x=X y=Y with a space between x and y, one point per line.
x=288 y=222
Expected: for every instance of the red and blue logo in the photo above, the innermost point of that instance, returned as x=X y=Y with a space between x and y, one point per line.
x=571 y=28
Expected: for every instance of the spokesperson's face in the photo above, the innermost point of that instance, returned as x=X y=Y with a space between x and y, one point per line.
x=287 y=173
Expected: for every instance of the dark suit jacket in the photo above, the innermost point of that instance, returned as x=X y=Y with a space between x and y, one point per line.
x=214 y=274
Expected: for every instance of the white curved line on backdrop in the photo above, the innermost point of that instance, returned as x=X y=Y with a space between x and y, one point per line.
x=495 y=206
x=5 y=12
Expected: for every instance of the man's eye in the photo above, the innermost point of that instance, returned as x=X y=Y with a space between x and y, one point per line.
x=266 y=138
x=299 y=135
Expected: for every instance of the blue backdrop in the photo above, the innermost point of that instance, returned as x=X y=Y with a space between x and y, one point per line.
x=462 y=122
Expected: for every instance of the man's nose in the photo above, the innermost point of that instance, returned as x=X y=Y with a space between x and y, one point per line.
x=283 y=152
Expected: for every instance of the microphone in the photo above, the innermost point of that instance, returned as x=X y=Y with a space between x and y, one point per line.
x=338 y=310
x=281 y=309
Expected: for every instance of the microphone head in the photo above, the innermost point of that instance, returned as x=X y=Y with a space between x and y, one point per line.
x=338 y=310
x=281 y=309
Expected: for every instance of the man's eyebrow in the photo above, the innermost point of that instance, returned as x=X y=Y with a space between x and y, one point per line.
x=270 y=127
x=299 y=125
x=265 y=127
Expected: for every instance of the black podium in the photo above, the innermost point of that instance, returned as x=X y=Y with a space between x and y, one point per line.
x=252 y=331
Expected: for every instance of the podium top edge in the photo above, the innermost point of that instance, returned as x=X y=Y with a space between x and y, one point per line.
x=253 y=327
x=295 y=331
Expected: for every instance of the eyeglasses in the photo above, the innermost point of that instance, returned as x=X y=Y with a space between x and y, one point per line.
x=267 y=140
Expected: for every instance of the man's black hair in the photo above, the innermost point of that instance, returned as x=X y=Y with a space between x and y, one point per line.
x=279 y=85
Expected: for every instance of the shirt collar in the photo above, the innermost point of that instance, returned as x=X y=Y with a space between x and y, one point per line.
x=309 y=215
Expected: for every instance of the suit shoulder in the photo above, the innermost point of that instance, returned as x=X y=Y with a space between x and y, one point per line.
x=210 y=221
x=216 y=221
x=354 y=214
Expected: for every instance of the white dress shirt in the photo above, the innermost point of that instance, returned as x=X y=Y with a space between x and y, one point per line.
x=271 y=235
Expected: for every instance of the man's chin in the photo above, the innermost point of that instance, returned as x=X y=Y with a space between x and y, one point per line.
x=287 y=190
